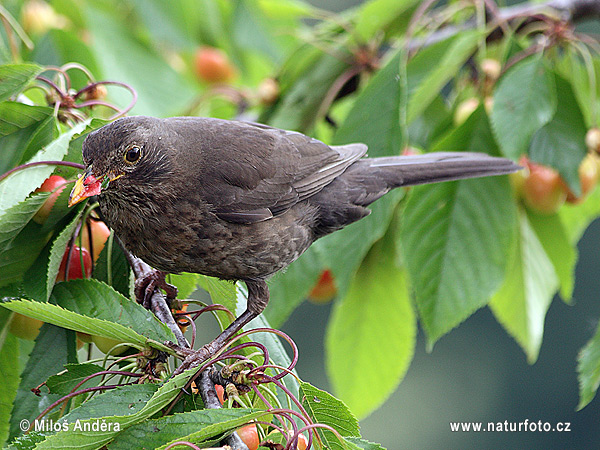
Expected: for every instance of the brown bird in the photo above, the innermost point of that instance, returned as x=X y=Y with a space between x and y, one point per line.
x=241 y=201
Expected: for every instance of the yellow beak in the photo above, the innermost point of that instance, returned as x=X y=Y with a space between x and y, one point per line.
x=86 y=186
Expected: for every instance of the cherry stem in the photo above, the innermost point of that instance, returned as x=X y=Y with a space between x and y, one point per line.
x=42 y=163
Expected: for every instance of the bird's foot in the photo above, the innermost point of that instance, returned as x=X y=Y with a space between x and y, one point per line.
x=145 y=286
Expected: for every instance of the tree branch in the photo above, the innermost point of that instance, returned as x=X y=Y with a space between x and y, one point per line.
x=567 y=10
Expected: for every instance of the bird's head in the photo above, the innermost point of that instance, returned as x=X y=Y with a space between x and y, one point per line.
x=125 y=154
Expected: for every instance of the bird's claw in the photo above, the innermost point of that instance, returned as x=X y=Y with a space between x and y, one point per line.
x=145 y=286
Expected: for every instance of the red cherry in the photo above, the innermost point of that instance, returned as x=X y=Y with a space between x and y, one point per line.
x=212 y=65
x=100 y=233
x=543 y=189
x=249 y=436
x=325 y=290
x=54 y=184
x=75 y=264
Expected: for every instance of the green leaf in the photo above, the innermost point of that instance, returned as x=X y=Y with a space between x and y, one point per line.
x=576 y=218
x=290 y=287
x=376 y=15
x=54 y=347
x=588 y=368
x=18 y=185
x=113 y=269
x=92 y=307
x=442 y=72
x=219 y=428
x=298 y=105
x=15 y=218
x=374 y=120
x=9 y=373
x=97 y=300
x=186 y=283
x=15 y=77
x=561 y=252
x=324 y=408
x=277 y=351
x=561 y=142
x=521 y=303
x=375 y=117
x=456 y=237
x=87 y=441
x=15 y=117
x=59 y=246
x=156 y=432
x=365 y=445
x=373 y=321
x=21 y=253
x=65 y=382
x=121 y=401
x=221 y=292
x=524 y=101
x=24 y=130
x=161 y=90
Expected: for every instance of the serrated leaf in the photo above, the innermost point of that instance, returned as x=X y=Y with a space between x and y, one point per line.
x=156 y=432
x=588 y=368
x=524 y=101
x=375 y=121
x=121 y=401
x=15 y=77
x=218 y=429
x=374 y=320
x=324 y=408
x=57 y=252
x=23 y=130
x=561 y=252
x=9 y=373
x=521 y=303
x=442 y=72
x=63 y=383
x=68 y=319
x=113 y=269
x=16 y=187
x=561 y=142
x=15 y=116
x=456 y=237
x=21 y=253
x=88 y=441
x=365 y=445
x=54 y=347
x=15 y=218
x=186 y=283
x=221 y=292
x=92 y=307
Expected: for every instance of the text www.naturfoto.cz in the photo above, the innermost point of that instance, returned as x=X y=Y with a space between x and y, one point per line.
x=510 y=427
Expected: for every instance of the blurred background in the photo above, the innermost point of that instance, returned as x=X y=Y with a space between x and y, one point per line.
x=477 y=373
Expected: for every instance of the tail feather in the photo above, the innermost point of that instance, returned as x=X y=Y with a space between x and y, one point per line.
x=346 y=198
x=435 y=167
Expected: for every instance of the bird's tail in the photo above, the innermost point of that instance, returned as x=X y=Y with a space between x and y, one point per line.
x=345 y=200
x=435 y=167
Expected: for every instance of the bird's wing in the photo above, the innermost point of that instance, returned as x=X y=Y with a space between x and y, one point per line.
x=253 y=172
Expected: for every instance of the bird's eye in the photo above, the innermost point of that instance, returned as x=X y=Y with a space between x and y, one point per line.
x=133 y=154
